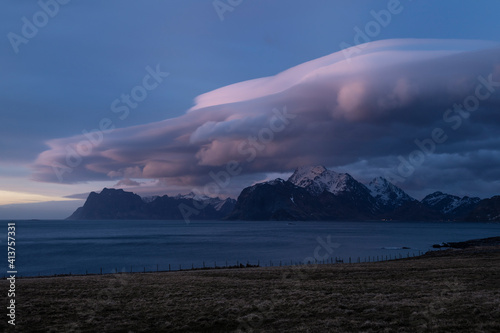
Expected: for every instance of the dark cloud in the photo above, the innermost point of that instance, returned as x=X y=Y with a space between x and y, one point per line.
x=367 y=110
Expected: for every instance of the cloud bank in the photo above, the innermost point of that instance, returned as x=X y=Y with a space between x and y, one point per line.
x=364 y=112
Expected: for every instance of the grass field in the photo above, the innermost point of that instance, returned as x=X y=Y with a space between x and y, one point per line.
x=447 y=291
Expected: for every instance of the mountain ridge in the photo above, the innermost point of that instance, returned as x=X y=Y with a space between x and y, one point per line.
x=310 y=193
x=117 y=204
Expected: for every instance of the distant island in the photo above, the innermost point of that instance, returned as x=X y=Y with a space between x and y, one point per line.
x=311 y=194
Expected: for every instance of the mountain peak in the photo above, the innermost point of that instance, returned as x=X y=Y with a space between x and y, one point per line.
x=387 y=194
x=379 y=181
x=309 y=172
x=117 y=204
x=109 y=191
x=192 y=195
x=275 y=181
x=317 y=179
x=449 y=204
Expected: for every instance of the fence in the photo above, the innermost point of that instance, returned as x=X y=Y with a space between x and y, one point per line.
x=237 y=264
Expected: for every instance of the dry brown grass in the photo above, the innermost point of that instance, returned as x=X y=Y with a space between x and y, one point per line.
x=450 y=293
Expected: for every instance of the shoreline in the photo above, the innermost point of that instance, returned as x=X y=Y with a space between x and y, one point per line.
x=449 y=290
x=240 y=265
x=481 y=242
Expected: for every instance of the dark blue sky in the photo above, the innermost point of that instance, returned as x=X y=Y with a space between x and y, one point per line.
x=63 y=80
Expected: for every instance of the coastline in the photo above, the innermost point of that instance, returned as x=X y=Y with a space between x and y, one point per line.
x=238 y=242
x=482 y=242
x=451 y=290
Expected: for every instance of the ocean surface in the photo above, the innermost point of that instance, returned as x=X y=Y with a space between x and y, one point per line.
x=49 y=247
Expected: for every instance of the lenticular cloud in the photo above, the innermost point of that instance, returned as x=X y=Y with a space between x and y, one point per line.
x=332 y=111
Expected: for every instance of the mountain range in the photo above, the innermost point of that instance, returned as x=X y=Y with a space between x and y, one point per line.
x=117 y=204
x=311 y=193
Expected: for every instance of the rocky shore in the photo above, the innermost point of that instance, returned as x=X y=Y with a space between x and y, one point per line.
x=491 y=241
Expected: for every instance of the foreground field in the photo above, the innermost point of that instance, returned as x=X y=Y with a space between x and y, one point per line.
x=450 y=291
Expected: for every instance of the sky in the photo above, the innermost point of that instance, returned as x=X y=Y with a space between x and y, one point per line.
x=167 y=97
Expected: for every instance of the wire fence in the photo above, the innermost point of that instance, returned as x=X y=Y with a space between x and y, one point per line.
x=229 y=265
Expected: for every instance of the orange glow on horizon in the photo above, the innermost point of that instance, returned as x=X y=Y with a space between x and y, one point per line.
x=11 y=198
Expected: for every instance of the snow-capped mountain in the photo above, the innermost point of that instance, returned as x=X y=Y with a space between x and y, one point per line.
x=282 y=200
x=450 y=205
x=113 y=204
x=316 y=193
x=311 y=193
x=192 y=195
x=224 y=206
x=317 y=179
x=388 y=195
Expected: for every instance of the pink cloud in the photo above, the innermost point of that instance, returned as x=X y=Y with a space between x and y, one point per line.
x=370 y=107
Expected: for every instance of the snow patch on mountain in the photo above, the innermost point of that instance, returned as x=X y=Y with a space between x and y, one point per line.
x=192 y=195
x=447 y=203
x=318 y=179
x=272 y=182
x=387 y=194
x=275 y=181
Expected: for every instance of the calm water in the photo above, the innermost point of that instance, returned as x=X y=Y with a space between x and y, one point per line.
x=60 y=247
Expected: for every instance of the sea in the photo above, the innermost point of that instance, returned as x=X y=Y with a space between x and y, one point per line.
x=49 y=247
